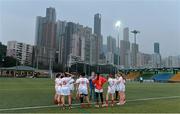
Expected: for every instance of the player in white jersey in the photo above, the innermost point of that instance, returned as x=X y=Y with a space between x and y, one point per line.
x=111 y=89
x=121 y=89
x=56 y=100
x=65 y=90
x=59 y=88
x=82 y=85
x=72 y=85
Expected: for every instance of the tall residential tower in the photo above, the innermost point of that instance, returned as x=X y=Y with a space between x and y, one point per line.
x=97 y=32
x=45 y=41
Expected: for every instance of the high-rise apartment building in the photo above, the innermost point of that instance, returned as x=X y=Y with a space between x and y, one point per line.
x=111 y=44
x=156 y=57
x=171 y=61
x=76 y=45
x=45 y=41
x=21 y=51
x=60 y=31
x=134 y=51
x=156 y=48
x=111 y=50
x=94 y=52
x=144 y=60
x=97 y=24
x=125 y=55
x=126 y=34
x=97 y=32
x=51 y=14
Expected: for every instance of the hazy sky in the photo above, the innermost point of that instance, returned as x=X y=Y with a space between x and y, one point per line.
x=157 y=20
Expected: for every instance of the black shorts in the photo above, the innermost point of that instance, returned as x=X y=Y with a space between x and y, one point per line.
x=84 y=94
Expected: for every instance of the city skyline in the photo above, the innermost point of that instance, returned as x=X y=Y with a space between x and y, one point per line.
x=23 y=23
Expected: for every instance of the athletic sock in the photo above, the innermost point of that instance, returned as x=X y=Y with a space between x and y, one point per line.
x=112 y=102
x=116 y=95
x=107 y=102
x=81 y=99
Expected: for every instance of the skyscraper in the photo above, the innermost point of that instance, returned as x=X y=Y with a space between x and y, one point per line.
x=124 y=53
x=94 y=52
x=87 y=36
x=111 y=49
x=97 y=24
x=67 y=41
x=60 y=30
x=126 y=34
x=111 y=44
x=76 y=44
x=156 y=57
x=97 y=32
x=156 y=47
x=51 y=14
x=125 y=49
x=45 y=45
x=134 y=51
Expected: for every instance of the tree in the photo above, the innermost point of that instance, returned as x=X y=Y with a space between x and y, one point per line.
x=10 y=62
x=57 y=68
x=2 y=52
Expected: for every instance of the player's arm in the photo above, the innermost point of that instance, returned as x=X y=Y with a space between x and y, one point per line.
x=72 y=75
x=117 y=81
x=94 y=81
x=87 y=84
x=104 y=80
x=60 y=83
x=77 y=84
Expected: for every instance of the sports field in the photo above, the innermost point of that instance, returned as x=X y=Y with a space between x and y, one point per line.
x=36 y=95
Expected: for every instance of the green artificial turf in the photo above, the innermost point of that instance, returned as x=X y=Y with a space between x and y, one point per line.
x=25 y=92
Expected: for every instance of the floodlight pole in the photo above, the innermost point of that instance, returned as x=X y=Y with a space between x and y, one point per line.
x=135 y=32
x=118 y=48
x=118 y=25
x=50 y=63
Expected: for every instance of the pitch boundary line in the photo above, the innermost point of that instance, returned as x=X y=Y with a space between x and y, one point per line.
x=49 y=106
x=153 y=98
x=22 y=89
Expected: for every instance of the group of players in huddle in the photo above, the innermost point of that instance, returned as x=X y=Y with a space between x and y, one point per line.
x=66 y=83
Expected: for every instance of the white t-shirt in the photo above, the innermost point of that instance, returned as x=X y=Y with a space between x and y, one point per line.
x=120 y=81
x=65 y=82
x=71 y=82
x=121 y=84
x=111 y=83
x=83 y=82
x=57 y=82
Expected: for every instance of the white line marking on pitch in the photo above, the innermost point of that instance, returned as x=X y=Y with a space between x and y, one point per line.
x=14 y=89
x=49 y=106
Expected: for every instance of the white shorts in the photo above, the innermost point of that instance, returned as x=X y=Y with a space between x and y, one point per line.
x=83 y=90
x=98 y=91
x=117 y=88
x=111 y=90
x=72 y=87
x=121 y=88
x=58 y=91
x=65 y=91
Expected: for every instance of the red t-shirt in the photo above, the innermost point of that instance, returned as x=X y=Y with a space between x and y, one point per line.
x=99 y=83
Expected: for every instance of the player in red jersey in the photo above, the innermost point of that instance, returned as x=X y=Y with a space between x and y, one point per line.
x=98 y=82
